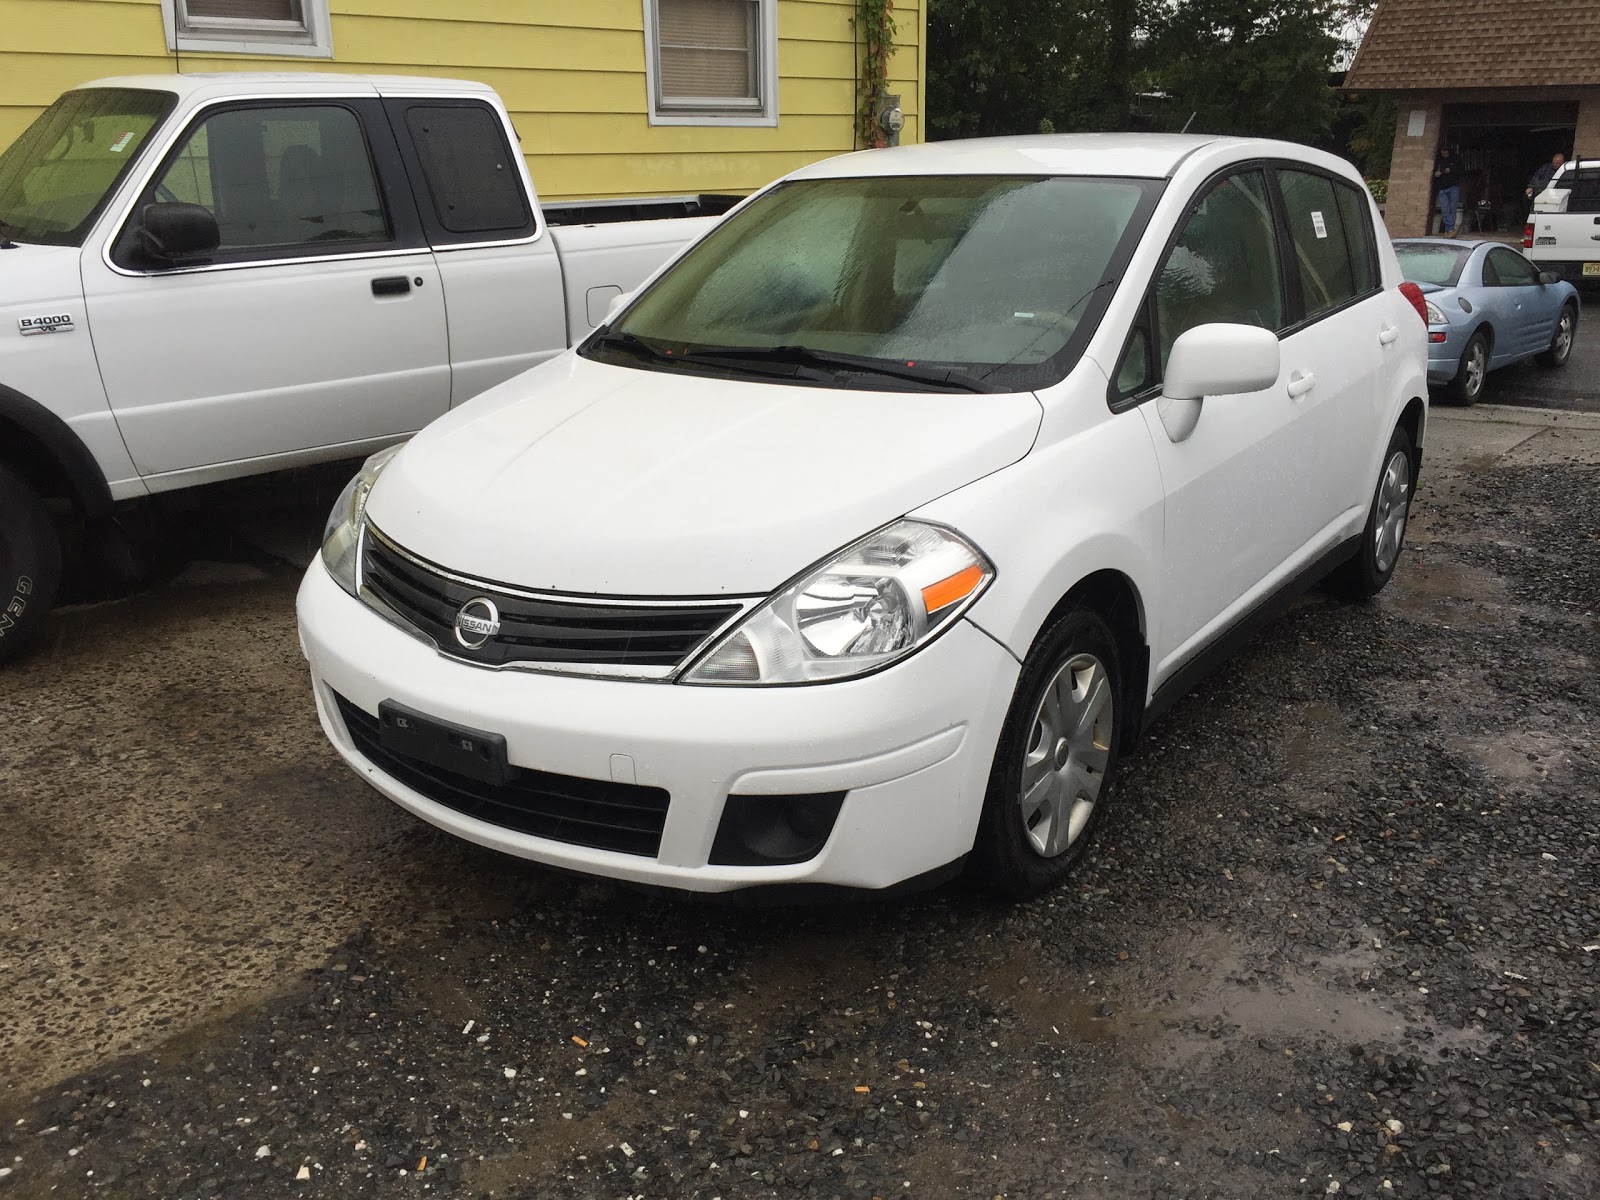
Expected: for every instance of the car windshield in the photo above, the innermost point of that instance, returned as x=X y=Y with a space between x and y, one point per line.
x=998 y=279
x=1429 y=262
x=55 y=178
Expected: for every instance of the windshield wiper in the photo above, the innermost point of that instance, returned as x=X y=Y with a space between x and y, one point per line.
x=836 y=361
x=629 y=343
x=6 y=230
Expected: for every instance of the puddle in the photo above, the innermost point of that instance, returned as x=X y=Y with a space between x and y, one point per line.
x=1447 y=592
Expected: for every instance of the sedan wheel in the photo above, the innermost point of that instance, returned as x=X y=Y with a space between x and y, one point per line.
x=1064 y=765
x=1474 y=367
x=1394 y=506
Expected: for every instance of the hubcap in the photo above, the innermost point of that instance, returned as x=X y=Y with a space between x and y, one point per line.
x=1394 y=505
x=1064 y=766
x=1564 y=336
x=1477 y=362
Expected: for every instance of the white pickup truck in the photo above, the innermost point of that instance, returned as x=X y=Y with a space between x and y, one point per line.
x=209 y=276
x=1563 y=233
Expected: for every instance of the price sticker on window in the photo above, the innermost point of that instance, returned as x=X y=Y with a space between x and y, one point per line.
x=1319 y=225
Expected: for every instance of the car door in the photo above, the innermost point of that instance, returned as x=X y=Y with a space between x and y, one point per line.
x=1342 y=352
x=1524 y=301
x=317 y=323
x=1234 y=510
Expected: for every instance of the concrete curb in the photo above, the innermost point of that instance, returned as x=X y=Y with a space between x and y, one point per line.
x=1505 y=414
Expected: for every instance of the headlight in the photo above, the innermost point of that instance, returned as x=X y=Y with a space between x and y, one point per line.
x=1436 y=315
x=874 y=602
x=343 y=531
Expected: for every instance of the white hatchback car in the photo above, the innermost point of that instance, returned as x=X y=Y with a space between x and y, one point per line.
x=862 y=539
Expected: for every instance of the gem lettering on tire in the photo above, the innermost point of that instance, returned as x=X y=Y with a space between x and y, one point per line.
x=17 y=606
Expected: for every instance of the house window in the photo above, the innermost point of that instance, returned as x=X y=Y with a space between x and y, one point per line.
x=711 y=62
x=292 y=27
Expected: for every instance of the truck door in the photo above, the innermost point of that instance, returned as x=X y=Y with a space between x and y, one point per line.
x=501 y=273
x=317 y=323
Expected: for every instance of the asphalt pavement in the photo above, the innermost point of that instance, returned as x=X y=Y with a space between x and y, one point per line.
x=1340 y=934
x=1573 y=388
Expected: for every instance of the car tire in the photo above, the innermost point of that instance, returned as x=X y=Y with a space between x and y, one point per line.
x=30 y=563
x=1056 y=761
x=1561 y=340
x=1467 y=386
x=1383 y=538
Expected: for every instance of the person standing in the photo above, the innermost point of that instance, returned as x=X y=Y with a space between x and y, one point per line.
x=1546 y=172
x=1447 y=180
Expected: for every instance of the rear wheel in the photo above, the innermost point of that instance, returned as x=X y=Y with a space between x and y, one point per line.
x=1052 y=772
x=1467 y=386
x=1561 y=340
x=30 y=563
x=1365 y=575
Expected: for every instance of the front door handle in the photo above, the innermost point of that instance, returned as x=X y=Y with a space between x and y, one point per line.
x=1388 y=334
x=391 y=285
x=1301 y=383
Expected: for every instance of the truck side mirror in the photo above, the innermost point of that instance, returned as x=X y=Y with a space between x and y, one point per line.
x=169 y=233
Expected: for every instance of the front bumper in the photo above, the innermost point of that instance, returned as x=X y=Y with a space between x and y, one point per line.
x=911 y=746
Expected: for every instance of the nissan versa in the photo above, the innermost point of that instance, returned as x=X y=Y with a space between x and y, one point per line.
x=862 y=539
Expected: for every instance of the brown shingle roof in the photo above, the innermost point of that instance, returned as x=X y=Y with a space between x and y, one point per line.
x=1479 y=44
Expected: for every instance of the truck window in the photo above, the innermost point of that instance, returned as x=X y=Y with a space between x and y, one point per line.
x=277 y=178
x=55 y=178
x=469 y=170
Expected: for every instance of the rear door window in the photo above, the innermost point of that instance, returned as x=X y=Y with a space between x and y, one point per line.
x=1322 y=250
x=1360 y=238
x=469 y=171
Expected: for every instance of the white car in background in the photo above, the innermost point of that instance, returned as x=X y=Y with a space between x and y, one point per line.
x=864 y=538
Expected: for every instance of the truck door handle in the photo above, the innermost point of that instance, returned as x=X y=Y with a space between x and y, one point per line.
x=1388 y=333
x=1300 y=384
x=391 y=285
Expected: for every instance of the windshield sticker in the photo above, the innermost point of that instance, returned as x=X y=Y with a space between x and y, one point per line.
x=1319 y=225
x=118 y=146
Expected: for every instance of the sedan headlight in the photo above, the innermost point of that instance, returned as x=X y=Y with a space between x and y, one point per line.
x=1436 y=314
x=874 y=602
x=343 y=532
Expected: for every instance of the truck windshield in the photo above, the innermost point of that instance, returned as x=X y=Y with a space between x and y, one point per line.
x=55 y=178
x=997 y=281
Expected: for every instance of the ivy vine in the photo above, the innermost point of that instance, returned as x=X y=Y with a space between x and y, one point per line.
x=875 y=20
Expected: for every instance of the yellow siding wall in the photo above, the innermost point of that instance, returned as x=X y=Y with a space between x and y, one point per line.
x=571 y=71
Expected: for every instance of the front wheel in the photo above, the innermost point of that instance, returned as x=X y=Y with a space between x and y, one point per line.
x=1365 y=575
x=1052 y=772
x=1561 y=340
x=30 y=563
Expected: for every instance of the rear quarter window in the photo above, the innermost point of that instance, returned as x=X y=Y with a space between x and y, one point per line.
x=471 y=175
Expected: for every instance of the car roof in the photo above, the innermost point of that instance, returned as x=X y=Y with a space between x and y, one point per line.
x=1458 y=243
x=316 y=83
x=1139 y=155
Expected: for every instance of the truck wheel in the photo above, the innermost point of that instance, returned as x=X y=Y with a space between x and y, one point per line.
x=1467 y=386
x=1561 y=341
x=30 y=563
x=1053 y=769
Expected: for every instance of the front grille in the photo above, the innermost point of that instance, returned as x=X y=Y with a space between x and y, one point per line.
x=626 y=817
x=538 y=629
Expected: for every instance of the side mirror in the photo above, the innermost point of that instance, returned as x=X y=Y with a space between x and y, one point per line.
x=1549 y=277
x=617 y=302
x=1214 y=360
x=170 y=233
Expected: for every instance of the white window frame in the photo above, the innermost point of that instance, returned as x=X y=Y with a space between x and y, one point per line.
x=716 y=111
x=230 y=35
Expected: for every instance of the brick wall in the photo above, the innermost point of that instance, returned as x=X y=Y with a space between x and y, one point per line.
x=1411 y=169
x=1587 y=139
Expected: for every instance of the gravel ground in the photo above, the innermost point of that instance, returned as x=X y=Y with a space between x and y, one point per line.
x=1340 y=936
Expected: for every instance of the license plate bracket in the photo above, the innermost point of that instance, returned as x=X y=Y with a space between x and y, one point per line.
x=474 y=753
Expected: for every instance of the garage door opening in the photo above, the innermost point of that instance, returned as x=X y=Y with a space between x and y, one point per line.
x=1499 y=146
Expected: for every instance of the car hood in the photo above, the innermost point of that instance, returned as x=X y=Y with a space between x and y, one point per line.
x=581 y=476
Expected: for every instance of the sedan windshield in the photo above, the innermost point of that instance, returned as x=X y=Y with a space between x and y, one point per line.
x=975 y=282
x=1429 y=262
x=55 y=178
